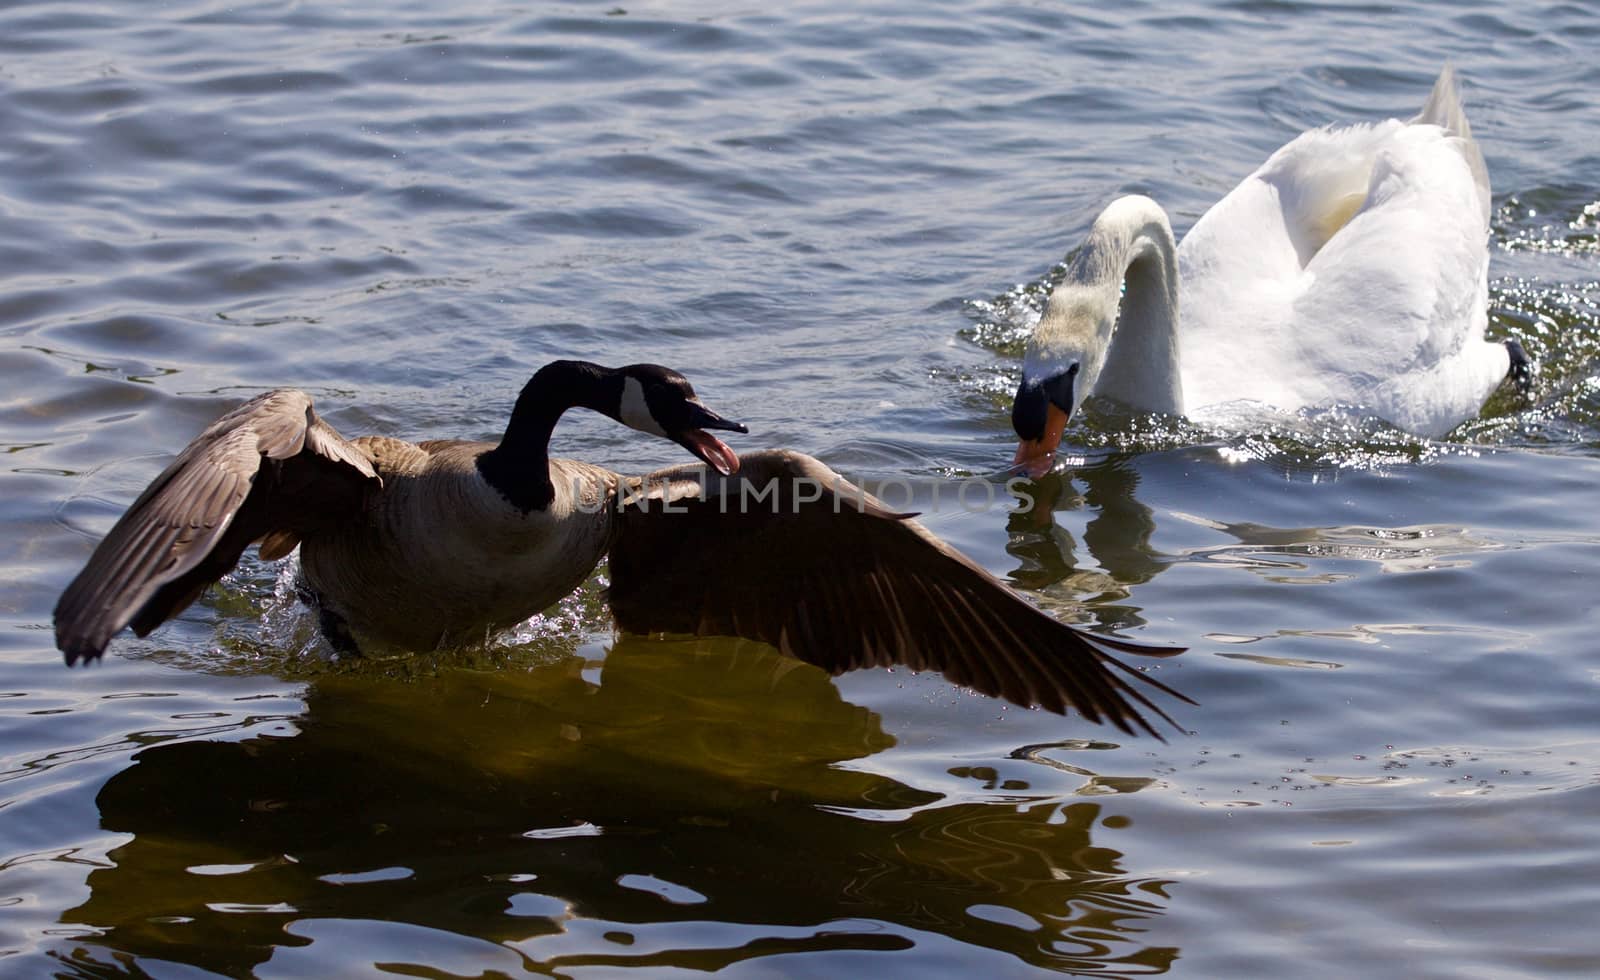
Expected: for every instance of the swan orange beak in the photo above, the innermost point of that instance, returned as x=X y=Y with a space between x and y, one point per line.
x=1035 y=456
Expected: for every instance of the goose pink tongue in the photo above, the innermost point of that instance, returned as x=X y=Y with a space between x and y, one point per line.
x=713 y=451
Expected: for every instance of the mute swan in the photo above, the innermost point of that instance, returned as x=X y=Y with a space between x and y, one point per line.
x=438 y=543
x=1351 y=268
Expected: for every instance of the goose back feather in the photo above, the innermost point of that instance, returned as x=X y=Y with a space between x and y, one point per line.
x=442 y=533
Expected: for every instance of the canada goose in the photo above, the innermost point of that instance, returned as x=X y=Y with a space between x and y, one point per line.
x=441 y=542
x=1351 y=268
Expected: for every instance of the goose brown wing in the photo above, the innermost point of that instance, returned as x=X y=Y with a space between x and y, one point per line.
x=271 y=466
x=790 y=553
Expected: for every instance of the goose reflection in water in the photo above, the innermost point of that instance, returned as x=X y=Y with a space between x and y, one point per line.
x=556 y=823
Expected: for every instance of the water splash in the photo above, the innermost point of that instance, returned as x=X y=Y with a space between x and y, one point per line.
x=578 y=616
x=1553 y=221
x=284 y=636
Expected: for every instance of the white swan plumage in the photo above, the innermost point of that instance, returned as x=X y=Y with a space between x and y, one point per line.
x=1351 y=268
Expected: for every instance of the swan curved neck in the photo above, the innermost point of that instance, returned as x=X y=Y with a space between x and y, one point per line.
x=1130 y=263
x=519 y=467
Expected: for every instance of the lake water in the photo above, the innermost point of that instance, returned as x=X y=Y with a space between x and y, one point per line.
x=837 y=219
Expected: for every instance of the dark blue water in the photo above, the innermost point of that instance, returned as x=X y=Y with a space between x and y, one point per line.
x=837 y=219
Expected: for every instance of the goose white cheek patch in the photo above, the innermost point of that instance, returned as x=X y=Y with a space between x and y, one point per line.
x=635 y=411
x=713 y=450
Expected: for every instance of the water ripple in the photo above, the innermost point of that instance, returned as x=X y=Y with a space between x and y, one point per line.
x=818 y=208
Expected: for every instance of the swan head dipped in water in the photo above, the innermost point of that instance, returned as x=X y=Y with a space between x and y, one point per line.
x=1350 y=269
x=1109 y=328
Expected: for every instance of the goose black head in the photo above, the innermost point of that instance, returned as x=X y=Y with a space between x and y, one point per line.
x=1040 y=414
x=660 y=401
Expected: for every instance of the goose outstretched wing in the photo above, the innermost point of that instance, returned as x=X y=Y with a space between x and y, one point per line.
x=268 y=469
x=790 y=553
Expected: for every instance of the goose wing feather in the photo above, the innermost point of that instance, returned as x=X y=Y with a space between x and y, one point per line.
x=251 y=473
x=790 y=553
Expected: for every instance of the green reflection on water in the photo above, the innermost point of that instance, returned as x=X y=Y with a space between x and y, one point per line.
x=508 y=805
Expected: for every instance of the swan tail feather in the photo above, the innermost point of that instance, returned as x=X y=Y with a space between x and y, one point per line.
x=1444 y=109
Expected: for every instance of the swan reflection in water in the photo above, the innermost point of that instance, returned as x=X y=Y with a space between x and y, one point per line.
x=1117 y=551
x=1117 y=541
x=683 y=806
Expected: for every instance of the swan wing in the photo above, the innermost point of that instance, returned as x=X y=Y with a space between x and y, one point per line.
x=1351 y=267
x=269 y=467
x=790 y=553
x=1395 y=305
x=1241 y=268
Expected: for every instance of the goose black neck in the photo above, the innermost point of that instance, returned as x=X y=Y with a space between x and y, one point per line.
x=519 y=467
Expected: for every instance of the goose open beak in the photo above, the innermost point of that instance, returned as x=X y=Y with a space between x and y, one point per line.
x=711 y=450
x=1035 y=456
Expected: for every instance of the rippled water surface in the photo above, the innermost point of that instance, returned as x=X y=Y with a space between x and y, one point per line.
x=839 y=219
